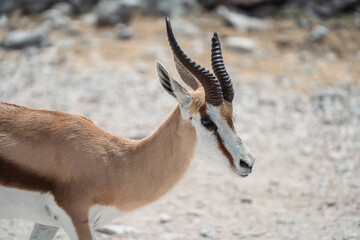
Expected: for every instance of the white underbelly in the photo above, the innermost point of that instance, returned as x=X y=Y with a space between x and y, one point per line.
x=35 y=206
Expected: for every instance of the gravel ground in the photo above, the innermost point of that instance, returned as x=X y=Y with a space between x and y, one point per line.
x=297 y=104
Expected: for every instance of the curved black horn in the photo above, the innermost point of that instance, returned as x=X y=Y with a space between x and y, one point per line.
x=213 y=93
x=218 y=67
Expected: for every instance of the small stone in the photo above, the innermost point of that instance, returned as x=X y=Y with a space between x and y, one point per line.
x=164 y=218
x=123 y=32
x=64 y=7
x=25 y=38
x=111 y=12
x=195 y=212
x=330 y=202
x=141 y=67
x=118 y=230
x=306 y=150
x=184 y=194
x=56 y=18
x=358 y=55
x=240 y=44
x=3 y=20
x=206 y=233
x=241 y=21
x=246 y=199
x=282 y=41
x=89 y=18
x=357 y=20
x=331 y=57
x=341 y=169
x=308 y=69
x=169 y=7
x=185 y=28
x=319 y=33
x=274 y=182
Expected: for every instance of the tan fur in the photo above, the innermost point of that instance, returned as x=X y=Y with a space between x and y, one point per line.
x=226 y=112
x=85 y=165
x=198 y=101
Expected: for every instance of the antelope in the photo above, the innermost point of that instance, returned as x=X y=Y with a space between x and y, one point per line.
x=60 y=170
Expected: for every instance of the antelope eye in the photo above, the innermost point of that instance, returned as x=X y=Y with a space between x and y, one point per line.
x=206 y=121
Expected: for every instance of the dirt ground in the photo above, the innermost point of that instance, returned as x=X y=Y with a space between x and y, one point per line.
x=297 y=104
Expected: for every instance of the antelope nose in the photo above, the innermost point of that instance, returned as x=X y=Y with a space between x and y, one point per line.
x=246 y=165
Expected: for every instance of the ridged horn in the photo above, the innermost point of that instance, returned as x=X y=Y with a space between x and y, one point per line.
x=219 y=69
x=213 y=93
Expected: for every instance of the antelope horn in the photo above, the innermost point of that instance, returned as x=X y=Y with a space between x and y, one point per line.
x=220 y=72
x=213 y=93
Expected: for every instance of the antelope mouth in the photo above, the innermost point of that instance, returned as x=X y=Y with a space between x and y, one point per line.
x=242 y=172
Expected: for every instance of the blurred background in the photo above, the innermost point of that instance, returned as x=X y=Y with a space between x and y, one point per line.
x=295 y=66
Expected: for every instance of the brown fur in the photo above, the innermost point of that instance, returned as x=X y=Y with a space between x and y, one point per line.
x=226 y=112
x=81 y=165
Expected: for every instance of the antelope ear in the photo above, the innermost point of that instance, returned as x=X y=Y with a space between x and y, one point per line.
x=186 y=76
x=172 y=86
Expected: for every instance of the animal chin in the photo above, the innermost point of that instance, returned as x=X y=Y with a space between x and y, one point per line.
x=239 y=173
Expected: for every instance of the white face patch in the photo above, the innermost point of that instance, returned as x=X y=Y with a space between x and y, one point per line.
x=223 y=146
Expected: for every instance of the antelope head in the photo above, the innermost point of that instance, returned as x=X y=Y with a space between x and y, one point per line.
x=208 y=107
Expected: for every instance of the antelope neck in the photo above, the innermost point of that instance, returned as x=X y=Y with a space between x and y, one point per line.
x=157 y=163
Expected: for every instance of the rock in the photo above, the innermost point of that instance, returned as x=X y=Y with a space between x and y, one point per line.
x=34 y=6
x=247 y=3
x=341 y=169
x=209 y=4
x=164 y=218
x=282 y=41
x=246 y=199
x=330 y=202
x=241 y=198
x=89 y=18
x=206 y=233
x=123 y=32
x=195 y=212
x=7 y=6
x=25 y=38
x=82 y=6
x=308 y=69
x=141 y=67
x=330 y=104
x=64 y=7
x=240 y=44
x=56 y=18
x=3 y=21
x=330 y=8
x=111 y=12
x=241 y=21
x=118 y=230
x=357 y=19
x=306 y=150
x=172 y=236
x=169 y=7
x=319 y=33
x=185 y=28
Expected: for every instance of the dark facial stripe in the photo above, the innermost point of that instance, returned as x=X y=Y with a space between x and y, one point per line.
x=14 y=176
x=225 y=151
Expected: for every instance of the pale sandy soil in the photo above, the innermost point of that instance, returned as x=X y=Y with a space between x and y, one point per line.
x=298 y=108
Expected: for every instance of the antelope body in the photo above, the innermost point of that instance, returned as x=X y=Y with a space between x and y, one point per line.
x=60 y=170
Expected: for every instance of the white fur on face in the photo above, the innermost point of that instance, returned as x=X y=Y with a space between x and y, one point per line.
x=208 y=146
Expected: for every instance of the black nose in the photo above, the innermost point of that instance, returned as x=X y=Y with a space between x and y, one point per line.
x=245 y=164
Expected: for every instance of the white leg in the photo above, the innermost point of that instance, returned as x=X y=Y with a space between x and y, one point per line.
x=70 y=230
x=43 y=232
